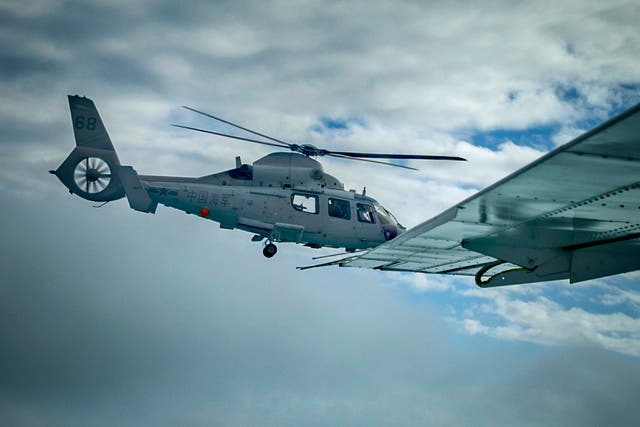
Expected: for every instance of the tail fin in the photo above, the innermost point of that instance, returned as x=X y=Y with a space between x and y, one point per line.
x=92 y=168
x=87 y=124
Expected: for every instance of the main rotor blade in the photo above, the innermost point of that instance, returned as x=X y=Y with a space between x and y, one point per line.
x=395 y=156
x=370 y=161
x=231 y=136
x=211 y=116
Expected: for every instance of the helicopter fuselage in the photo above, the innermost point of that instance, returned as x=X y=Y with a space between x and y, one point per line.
x=283 y=197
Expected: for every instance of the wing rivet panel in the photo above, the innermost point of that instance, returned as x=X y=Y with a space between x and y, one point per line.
x=594 y=199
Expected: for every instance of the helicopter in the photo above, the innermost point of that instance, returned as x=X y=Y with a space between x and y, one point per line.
x=281 y=197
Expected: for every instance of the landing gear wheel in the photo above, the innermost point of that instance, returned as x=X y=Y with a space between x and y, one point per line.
x=269 y=250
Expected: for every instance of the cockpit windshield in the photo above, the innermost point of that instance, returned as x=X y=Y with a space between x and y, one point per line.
x=385 y=216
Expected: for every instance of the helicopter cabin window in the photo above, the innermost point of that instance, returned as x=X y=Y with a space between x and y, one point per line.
x=339 y=208
x=365 y=213
x=305 y=203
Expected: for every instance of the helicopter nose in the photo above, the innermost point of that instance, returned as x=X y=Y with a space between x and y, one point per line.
x=390 y=231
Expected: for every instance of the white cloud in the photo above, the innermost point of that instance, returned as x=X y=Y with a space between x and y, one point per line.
x=566 y=134
x=544 y=321
x=427 y=282
x=473 y=327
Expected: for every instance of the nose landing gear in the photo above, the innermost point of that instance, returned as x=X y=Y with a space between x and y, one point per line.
x=269 y=250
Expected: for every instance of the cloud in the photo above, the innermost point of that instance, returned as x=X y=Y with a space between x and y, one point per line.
x=541 y=319
x=132 y=319
x=148 y=335
x=566 y=134
x=427 y=283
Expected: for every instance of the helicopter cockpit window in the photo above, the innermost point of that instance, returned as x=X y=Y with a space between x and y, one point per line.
x=365 y=213
x=305 y=203
x=385 y=216
x=339 y=208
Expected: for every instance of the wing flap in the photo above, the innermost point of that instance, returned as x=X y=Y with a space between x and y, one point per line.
x=604 y=260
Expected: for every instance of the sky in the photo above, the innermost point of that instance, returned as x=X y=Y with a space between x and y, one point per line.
x=114 y=317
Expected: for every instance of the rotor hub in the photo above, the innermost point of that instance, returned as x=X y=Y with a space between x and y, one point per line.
x=308 y=150
x=93 y=175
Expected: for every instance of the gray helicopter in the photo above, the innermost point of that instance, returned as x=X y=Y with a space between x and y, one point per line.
x=282 y=197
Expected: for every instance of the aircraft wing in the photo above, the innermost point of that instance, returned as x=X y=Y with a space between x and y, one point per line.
x=572 y=214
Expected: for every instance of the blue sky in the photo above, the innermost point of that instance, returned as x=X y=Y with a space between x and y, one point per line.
x=134 y=319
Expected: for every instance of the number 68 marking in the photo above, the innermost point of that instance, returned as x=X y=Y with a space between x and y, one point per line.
x=88 y=123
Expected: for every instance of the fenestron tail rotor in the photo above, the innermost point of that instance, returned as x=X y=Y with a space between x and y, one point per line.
x=92 y=175
x=313 y=151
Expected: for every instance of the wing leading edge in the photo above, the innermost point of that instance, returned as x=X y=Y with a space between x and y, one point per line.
x=572 y=214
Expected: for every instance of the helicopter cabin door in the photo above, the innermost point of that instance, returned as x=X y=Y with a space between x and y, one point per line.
x=367 y=227
x=339 y=221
